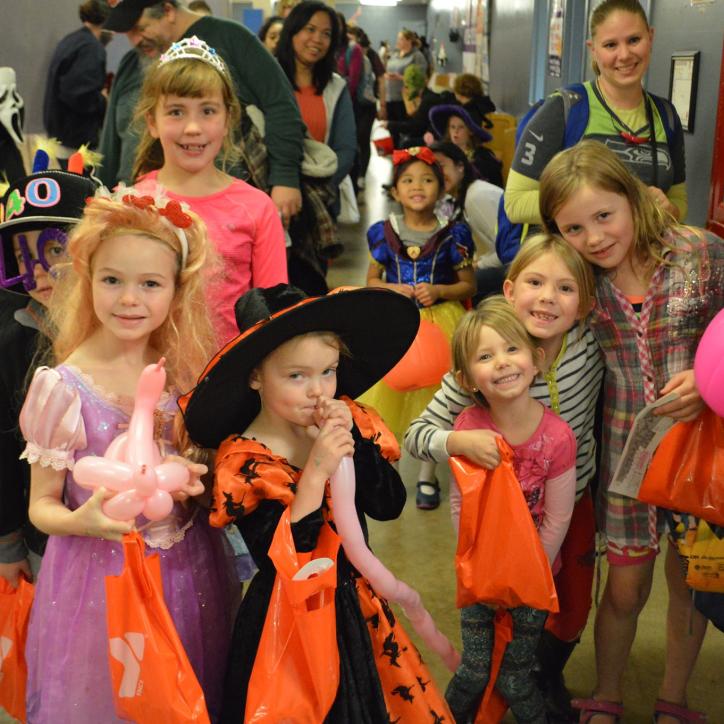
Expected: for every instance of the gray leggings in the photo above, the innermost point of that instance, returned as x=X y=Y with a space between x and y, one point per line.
x=515 y=681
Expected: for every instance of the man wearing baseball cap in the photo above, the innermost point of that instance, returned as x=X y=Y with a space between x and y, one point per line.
x=151 y=27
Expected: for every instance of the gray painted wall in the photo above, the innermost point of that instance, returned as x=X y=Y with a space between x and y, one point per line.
x=438 y=31
x=511 y=30
x=31 y=30
x=678 y=26
x=382 y=23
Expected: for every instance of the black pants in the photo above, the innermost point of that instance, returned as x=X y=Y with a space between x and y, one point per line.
x=396 y=112
x=365 y=116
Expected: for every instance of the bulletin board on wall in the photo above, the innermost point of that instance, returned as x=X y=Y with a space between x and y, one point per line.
x=476 y=39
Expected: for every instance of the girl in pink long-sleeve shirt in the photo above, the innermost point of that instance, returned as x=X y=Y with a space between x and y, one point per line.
x=191 y=114
x=495 y=360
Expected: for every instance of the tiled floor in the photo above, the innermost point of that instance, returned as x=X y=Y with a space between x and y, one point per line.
x=420 y=546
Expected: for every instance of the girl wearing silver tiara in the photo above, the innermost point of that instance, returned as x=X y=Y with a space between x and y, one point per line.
x=189 y=109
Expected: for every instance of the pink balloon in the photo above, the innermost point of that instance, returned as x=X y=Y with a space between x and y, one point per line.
x=383 y=581
x=158 y=505
x=709 y=364
x=124 y=506
x=132 y=463
x=94 y=472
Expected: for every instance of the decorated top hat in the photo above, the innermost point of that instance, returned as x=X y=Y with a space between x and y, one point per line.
x=376 y=325
x=47 y=198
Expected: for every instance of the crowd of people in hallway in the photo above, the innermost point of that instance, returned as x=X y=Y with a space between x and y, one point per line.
x=514 y=322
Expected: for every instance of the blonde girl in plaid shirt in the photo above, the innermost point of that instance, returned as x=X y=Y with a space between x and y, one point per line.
x=658 y=284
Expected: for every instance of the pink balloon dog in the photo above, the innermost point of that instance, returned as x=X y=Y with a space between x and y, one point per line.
x=382 y=580
x=132 y=462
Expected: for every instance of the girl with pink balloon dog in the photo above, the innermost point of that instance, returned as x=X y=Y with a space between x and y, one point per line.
x=130 y=317
x=658 y=285
x=269 y=401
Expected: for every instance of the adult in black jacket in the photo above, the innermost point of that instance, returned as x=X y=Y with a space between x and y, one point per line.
x=75 y=96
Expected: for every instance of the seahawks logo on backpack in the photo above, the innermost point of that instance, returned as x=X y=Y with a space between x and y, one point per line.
x=509 y=235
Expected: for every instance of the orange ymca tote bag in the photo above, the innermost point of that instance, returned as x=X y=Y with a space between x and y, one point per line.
x=15 y=605
x=151 y=675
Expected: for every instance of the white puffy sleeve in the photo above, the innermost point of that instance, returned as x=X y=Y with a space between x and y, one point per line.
x=51 y=421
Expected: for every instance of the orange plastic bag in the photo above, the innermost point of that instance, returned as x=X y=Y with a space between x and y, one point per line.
x=151 y=675
x=15 y=605
x=296 y=670
x=493 y=706
x=499 y=558
x=686 y=472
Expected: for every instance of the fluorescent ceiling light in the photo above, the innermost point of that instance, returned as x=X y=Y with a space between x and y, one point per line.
x=380 y=3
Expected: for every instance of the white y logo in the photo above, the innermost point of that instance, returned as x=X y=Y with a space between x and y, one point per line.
x=129 y=651
x=5 y=645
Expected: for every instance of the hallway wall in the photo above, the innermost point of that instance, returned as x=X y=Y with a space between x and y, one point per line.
x=383 y=23
x=678 y=26
x=511 y=31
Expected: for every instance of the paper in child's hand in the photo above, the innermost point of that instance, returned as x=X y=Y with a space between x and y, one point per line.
x=646 y=434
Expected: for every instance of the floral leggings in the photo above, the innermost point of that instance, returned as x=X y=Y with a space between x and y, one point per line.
x=515 y=681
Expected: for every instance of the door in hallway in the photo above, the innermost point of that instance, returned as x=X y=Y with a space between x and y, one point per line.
x=715 y=217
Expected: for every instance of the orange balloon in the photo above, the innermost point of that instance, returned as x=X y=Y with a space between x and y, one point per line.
x=424 y=364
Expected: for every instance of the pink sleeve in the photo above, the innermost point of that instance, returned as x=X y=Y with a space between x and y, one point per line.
x=51 y=421
x=565 y=448
x=560 y=497
x=456 y=501
x=269 y=259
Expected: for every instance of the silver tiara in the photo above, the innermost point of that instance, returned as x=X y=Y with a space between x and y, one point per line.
x=195 y=49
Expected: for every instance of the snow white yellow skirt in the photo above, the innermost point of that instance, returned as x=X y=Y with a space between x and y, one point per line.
x=399 y=409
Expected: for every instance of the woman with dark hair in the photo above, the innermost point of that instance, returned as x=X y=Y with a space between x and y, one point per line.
x=270 y=32
x=473 y=201
x=307 y=54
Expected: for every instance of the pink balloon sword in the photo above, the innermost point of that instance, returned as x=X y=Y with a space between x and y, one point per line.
x=383 y=581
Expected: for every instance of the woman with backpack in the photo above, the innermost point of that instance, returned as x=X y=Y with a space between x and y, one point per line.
x=613 y=109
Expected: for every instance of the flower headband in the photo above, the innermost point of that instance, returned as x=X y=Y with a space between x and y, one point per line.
x=171 y=211
x=416 y=153
x=194 y=48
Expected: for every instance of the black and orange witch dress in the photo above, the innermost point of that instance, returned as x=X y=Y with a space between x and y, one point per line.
x=382 y=677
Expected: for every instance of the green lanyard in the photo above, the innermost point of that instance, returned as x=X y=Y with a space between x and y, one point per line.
x=550 y=378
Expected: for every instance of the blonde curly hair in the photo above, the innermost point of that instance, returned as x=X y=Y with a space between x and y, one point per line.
x=186 y=336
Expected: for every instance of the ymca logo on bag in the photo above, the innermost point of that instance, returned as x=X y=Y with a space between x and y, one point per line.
x=5 y=645
x=129 y=652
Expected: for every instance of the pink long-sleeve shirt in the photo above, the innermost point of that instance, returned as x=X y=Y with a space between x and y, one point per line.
x=244 y=226
x=545 y=465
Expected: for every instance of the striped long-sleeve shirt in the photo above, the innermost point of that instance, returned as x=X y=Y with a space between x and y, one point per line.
x=570 y=387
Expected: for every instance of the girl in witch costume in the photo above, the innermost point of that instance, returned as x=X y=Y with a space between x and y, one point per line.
x=428 y=259
x=270 y=402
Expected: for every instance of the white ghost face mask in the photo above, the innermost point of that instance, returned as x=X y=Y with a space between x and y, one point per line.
x=11 y=105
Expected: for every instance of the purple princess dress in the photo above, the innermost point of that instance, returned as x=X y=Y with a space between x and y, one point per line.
x=66 y=417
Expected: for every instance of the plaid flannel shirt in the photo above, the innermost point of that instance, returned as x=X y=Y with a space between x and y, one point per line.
x=642 y=353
